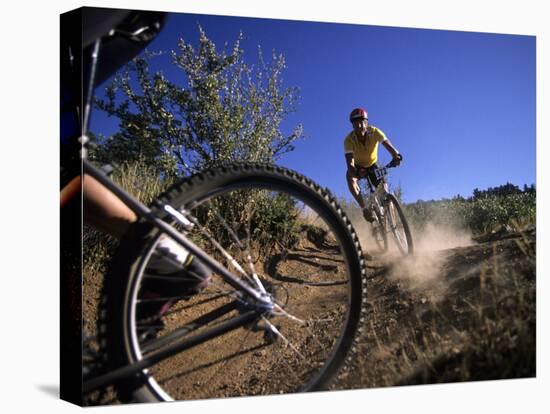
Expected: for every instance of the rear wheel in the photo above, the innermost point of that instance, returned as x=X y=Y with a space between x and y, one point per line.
x=398 y=225
x=262 y=223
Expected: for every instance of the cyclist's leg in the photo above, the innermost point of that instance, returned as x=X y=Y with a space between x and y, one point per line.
x=70 y=190
x=353 y=185
x=104 y=210
x=354 y=189
x=187 y=275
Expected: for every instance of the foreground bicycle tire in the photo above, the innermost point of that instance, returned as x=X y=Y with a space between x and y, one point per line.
x=324 y=292
x=399 y=225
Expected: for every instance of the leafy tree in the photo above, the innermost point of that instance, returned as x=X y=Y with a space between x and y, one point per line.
x=227 y=110
x=221 y=109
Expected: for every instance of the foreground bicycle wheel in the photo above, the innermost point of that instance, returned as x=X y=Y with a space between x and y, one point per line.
x=263 y=223
x=398 y=225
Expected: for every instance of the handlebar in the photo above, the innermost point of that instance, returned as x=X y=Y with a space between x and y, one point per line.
x=382 y=172
x=393 y=163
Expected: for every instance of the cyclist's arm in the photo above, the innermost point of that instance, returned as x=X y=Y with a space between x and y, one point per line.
x=391 y=149
x=350 y=163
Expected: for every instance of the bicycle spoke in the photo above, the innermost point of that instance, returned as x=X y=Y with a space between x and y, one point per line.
x=253 y=278
x=281 y=336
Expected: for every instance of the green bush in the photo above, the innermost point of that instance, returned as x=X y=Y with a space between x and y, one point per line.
x=277 y=220
x=489 y=212
x=478 y=215
x=263 y=217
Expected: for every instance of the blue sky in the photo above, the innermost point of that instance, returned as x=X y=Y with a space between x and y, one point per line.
x=460 y=106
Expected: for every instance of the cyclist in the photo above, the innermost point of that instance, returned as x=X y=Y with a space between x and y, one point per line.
x=124 y=34
x=361 y=152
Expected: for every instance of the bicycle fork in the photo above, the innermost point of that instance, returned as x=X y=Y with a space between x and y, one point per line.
x=376 y=205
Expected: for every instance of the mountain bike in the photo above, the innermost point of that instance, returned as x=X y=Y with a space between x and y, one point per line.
x=281 y=312
x=387 y=214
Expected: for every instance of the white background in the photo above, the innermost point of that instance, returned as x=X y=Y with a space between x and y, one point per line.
x=29 y=293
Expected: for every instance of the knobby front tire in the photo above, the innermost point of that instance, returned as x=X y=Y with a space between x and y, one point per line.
x=293 y=235
x=380 y=233
x=399 y=226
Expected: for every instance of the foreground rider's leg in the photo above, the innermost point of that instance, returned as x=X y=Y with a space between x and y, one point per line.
x=104 y=210
x=187 y=275
x=70 y=191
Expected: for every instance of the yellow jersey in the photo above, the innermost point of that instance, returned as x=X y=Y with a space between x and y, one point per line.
x=365 y=154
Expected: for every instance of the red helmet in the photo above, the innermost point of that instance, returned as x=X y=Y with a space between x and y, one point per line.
x=358 y=113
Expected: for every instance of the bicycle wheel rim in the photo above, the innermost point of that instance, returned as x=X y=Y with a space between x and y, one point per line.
x=265 y=369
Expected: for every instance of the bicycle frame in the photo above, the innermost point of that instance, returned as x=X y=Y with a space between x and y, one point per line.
x=377 y=193
x=261 y=302
x=387 y=211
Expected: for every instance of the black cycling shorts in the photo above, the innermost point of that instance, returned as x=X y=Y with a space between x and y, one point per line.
x=369 y=173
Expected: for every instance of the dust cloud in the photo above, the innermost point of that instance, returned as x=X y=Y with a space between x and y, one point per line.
x=421 y=271
x=440 y=237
